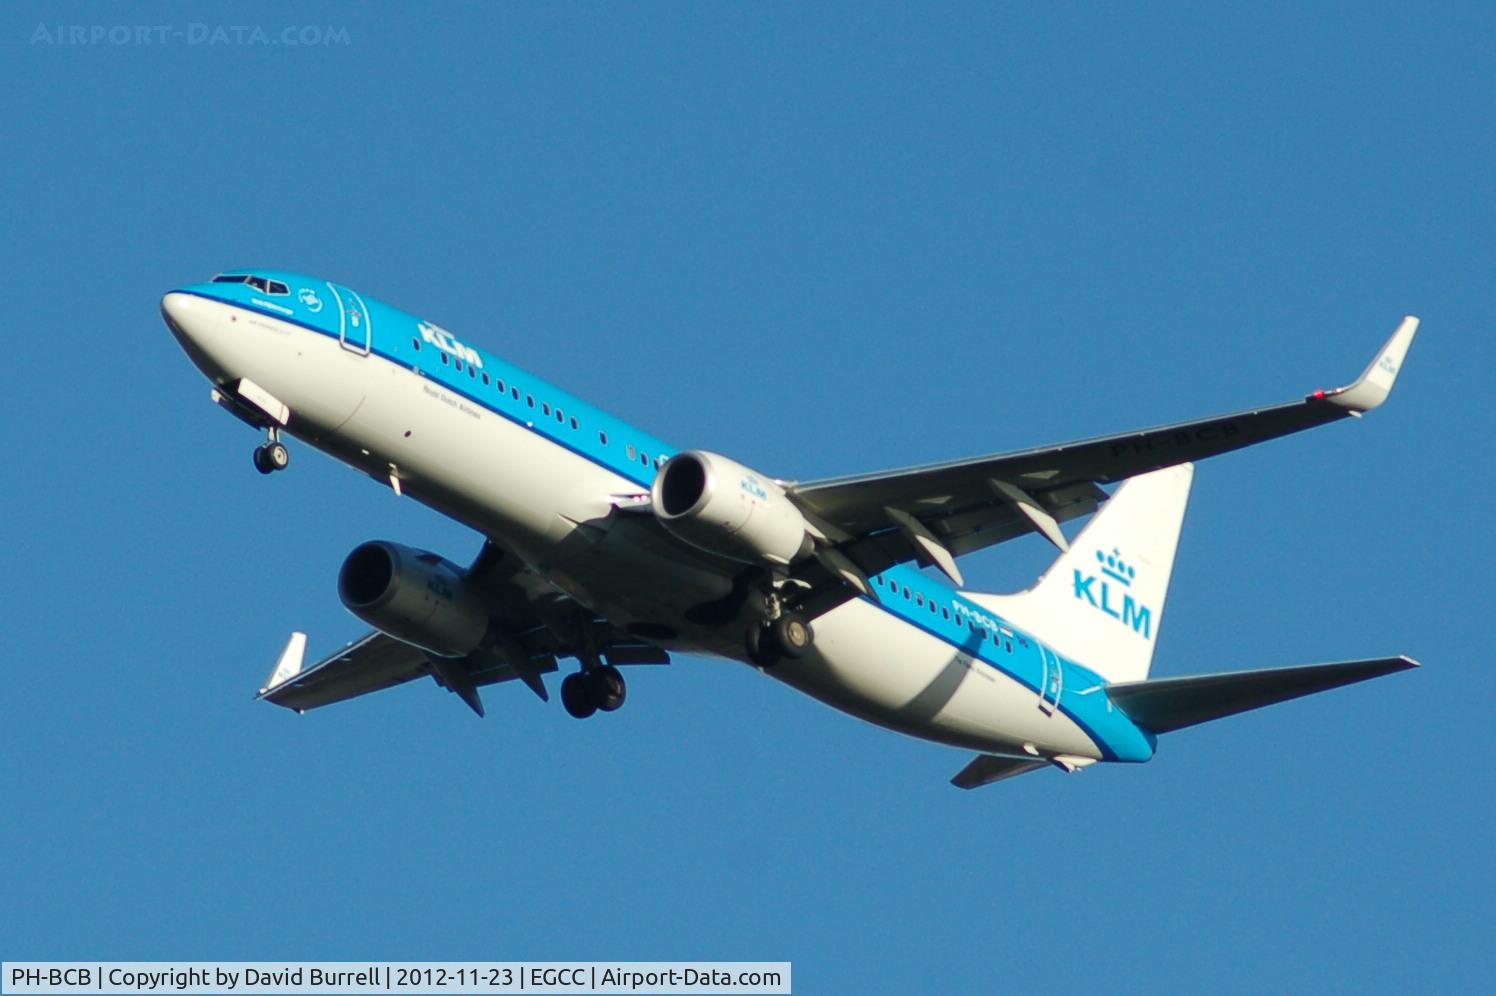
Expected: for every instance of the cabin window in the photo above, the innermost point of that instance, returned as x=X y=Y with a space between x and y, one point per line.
x=644 y=459
x=458 y=364
x=919 y=600
x=560 y=417
x=1009 y=646
x=602 y=437
x=631 y=451
x=446 y=359
x=472 y=371
x=530 y=400
x=945 y=612
x=514 y=391
x=485 y=379
x=546 y=407
x=500 y=385
x=416 y=344
x=908 y=593
x=574 y=424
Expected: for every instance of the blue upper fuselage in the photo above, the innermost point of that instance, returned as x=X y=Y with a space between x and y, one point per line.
x=366 y=324
x=433 y=352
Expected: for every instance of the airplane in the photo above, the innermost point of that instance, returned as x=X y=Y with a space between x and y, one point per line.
x=612 y=547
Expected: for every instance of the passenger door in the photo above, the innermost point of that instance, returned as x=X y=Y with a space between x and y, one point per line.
x=1052 y=682
x=355 y=327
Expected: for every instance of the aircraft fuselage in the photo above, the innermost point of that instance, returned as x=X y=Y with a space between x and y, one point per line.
x=550 y=478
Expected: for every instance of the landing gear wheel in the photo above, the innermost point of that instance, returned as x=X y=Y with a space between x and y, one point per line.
x=271 y=457
x=576 y=695
x=608 y=688
x=277 y=456
x=792 y=635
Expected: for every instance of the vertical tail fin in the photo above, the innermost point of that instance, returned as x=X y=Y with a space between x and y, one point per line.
x=1100 y=604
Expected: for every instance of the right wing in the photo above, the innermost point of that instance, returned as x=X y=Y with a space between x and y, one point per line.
x=934 y=513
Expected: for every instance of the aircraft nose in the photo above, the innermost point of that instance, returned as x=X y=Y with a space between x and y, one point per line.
x=188 y=318
x=176 y=308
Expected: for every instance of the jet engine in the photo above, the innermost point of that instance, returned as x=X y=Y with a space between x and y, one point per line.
x=720 y=506
x=414 y=596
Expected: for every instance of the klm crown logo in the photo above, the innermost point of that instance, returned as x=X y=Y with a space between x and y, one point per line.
x=1108 y=591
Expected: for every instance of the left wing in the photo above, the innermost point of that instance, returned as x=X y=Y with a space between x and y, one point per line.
x=932 y=513
x=375 y=662
x=525 y=640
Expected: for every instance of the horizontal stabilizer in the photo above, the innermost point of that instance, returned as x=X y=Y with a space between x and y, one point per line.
x=988 y=768
x=1166 y=704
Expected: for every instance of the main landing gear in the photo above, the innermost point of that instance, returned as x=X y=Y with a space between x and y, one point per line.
x=595 y=689
x=273 y=455
x=787 y=636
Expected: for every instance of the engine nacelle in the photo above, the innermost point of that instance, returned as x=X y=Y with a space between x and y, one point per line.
x=414 y=596
x=720 y=506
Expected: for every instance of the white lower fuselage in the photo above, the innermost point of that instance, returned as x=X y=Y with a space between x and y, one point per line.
x=499 y=475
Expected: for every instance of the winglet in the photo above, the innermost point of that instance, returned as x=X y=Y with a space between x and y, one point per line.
x=1375 y=382
x=289 y=664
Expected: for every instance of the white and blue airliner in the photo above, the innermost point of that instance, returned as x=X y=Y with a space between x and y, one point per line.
x=613 y=547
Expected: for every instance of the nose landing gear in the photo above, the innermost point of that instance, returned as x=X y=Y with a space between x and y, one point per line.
x=273 y=455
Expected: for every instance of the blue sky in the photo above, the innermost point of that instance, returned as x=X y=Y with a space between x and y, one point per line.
x=821 y=239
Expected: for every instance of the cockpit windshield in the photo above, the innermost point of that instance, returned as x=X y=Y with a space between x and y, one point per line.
x=260 y=284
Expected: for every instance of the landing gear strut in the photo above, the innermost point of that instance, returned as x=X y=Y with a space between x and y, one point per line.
x=592 y=690
x=273 y=455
